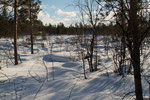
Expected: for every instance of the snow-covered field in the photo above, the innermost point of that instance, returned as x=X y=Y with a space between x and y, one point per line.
x=55 y=72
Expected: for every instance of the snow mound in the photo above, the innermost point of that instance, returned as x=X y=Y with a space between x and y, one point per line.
x=55 y=58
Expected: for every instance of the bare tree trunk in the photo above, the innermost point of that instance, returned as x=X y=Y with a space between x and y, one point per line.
x=83 y=65
x=15 y=32
x=91 y=54
x=137 y=72
x=96 y=54
x=31 y=31
x=149 y=91
x=123 y=50
x=135 y=52
x=122 y=45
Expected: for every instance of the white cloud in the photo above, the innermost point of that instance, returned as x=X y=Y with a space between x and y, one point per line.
x=48 y=7
x=67 y=14
x=42 y=6
x=110 y=16
x=46 y=19
x=66 y=20
x=85 y=16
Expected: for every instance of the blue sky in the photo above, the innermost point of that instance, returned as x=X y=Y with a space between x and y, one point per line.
x=56 y=11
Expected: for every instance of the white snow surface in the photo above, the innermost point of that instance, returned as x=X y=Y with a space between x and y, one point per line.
x=31 y=80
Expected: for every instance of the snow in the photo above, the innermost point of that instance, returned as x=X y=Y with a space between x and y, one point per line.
x=58 y=74
x=55 y=58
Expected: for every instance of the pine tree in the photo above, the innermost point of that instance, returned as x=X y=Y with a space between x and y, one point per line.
x=27 y=16
x=5 y=18
x=34 y=8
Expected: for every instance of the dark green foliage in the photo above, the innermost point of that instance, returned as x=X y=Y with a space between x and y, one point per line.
x=6 y=17
x=6 y=21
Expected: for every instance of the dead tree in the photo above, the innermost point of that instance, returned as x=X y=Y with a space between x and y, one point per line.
x=90 y=12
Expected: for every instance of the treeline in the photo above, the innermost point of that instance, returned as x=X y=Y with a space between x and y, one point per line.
x=25 y=19
x=78 y=29
x=6 y=24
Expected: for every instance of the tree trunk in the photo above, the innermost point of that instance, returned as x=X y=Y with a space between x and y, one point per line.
x=91 y=54
x=122 y=45
x=83 y=66
x=137 y=72
x=31 y=31
x=149 y=91
x=15 y=32
x=135 y=52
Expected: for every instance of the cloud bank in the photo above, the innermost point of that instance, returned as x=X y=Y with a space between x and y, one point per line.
x=53 y=15
x=65 y=14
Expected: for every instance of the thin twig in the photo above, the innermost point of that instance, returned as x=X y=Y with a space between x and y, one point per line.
x=46 y=69
x=39 y=88
x=128 y=94
x=38 y=80
x=73 y=88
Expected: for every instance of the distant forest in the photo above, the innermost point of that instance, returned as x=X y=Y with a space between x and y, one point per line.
x=6 y=30
x=7 y=22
